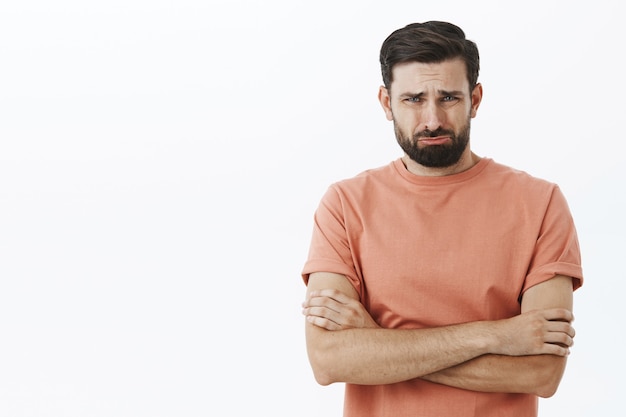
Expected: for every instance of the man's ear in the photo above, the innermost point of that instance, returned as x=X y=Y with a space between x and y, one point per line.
x=385 y=101
x=477 y=97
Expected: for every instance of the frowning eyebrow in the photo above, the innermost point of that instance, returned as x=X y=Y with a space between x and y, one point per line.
x=441 y=93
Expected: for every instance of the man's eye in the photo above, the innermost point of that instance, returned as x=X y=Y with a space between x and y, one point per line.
x=449 y=98
x=413 y=99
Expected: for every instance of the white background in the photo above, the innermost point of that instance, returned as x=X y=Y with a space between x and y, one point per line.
x=160 y=162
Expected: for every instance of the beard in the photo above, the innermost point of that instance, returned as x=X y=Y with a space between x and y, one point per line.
x=435 y=156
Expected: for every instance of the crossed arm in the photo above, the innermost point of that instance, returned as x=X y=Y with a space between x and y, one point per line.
x=523 y=354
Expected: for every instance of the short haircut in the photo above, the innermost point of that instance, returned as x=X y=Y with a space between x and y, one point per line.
x=428 y=42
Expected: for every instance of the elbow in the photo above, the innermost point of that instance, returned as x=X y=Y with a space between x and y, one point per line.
x=549 y=385
x=324 y=361
x=322 y=378
x=322 y=369
x=547 y=390
x=549 y=377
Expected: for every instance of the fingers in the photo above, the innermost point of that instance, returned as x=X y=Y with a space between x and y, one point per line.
x=560 y=328
x=334 y=310
x=324 y=317
x=323 y=308
x=323 y=302
x=558 y=314
x=557 y=350
x=323 y=322
x=559 y=337
x=558 y=331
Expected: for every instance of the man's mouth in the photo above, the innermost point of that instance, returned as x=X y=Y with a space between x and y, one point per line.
x=437 y=140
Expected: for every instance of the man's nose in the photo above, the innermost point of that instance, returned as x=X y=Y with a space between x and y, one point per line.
x=432 y=117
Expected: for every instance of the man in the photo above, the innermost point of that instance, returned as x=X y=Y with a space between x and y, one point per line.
x=442 y=283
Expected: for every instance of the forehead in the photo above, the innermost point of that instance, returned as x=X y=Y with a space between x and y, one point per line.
x=446 y=75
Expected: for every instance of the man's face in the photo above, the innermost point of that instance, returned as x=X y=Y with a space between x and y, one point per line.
x=431 y=106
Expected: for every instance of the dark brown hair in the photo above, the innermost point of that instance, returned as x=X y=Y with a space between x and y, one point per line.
x=428 y=42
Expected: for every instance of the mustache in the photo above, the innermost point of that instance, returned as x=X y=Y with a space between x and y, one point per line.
x=427 y=133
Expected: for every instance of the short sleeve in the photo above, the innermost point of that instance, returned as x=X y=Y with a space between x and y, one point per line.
x=330 y=249
x=557 y=251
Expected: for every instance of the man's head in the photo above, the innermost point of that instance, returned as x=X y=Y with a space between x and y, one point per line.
x=430 y=92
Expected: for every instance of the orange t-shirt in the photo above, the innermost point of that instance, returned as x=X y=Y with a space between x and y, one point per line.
x=432 y=251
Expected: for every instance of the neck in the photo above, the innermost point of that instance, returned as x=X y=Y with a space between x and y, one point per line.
x=467 y=160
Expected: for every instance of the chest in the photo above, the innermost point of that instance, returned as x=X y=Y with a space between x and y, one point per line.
x=436 y=262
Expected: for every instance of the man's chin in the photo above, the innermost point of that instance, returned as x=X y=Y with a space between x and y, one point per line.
x=434 y=161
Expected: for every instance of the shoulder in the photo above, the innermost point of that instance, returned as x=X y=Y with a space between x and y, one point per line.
x=359 y=192
x=365 y=180
x=517 y=180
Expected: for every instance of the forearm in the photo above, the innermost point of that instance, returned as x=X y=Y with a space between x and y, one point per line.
x=385 y=356
x=534 y=374
x=345 y=344
x=537 y=374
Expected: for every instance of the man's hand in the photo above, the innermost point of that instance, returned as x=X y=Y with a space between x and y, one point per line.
x=333 y=310
x=536 y=332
